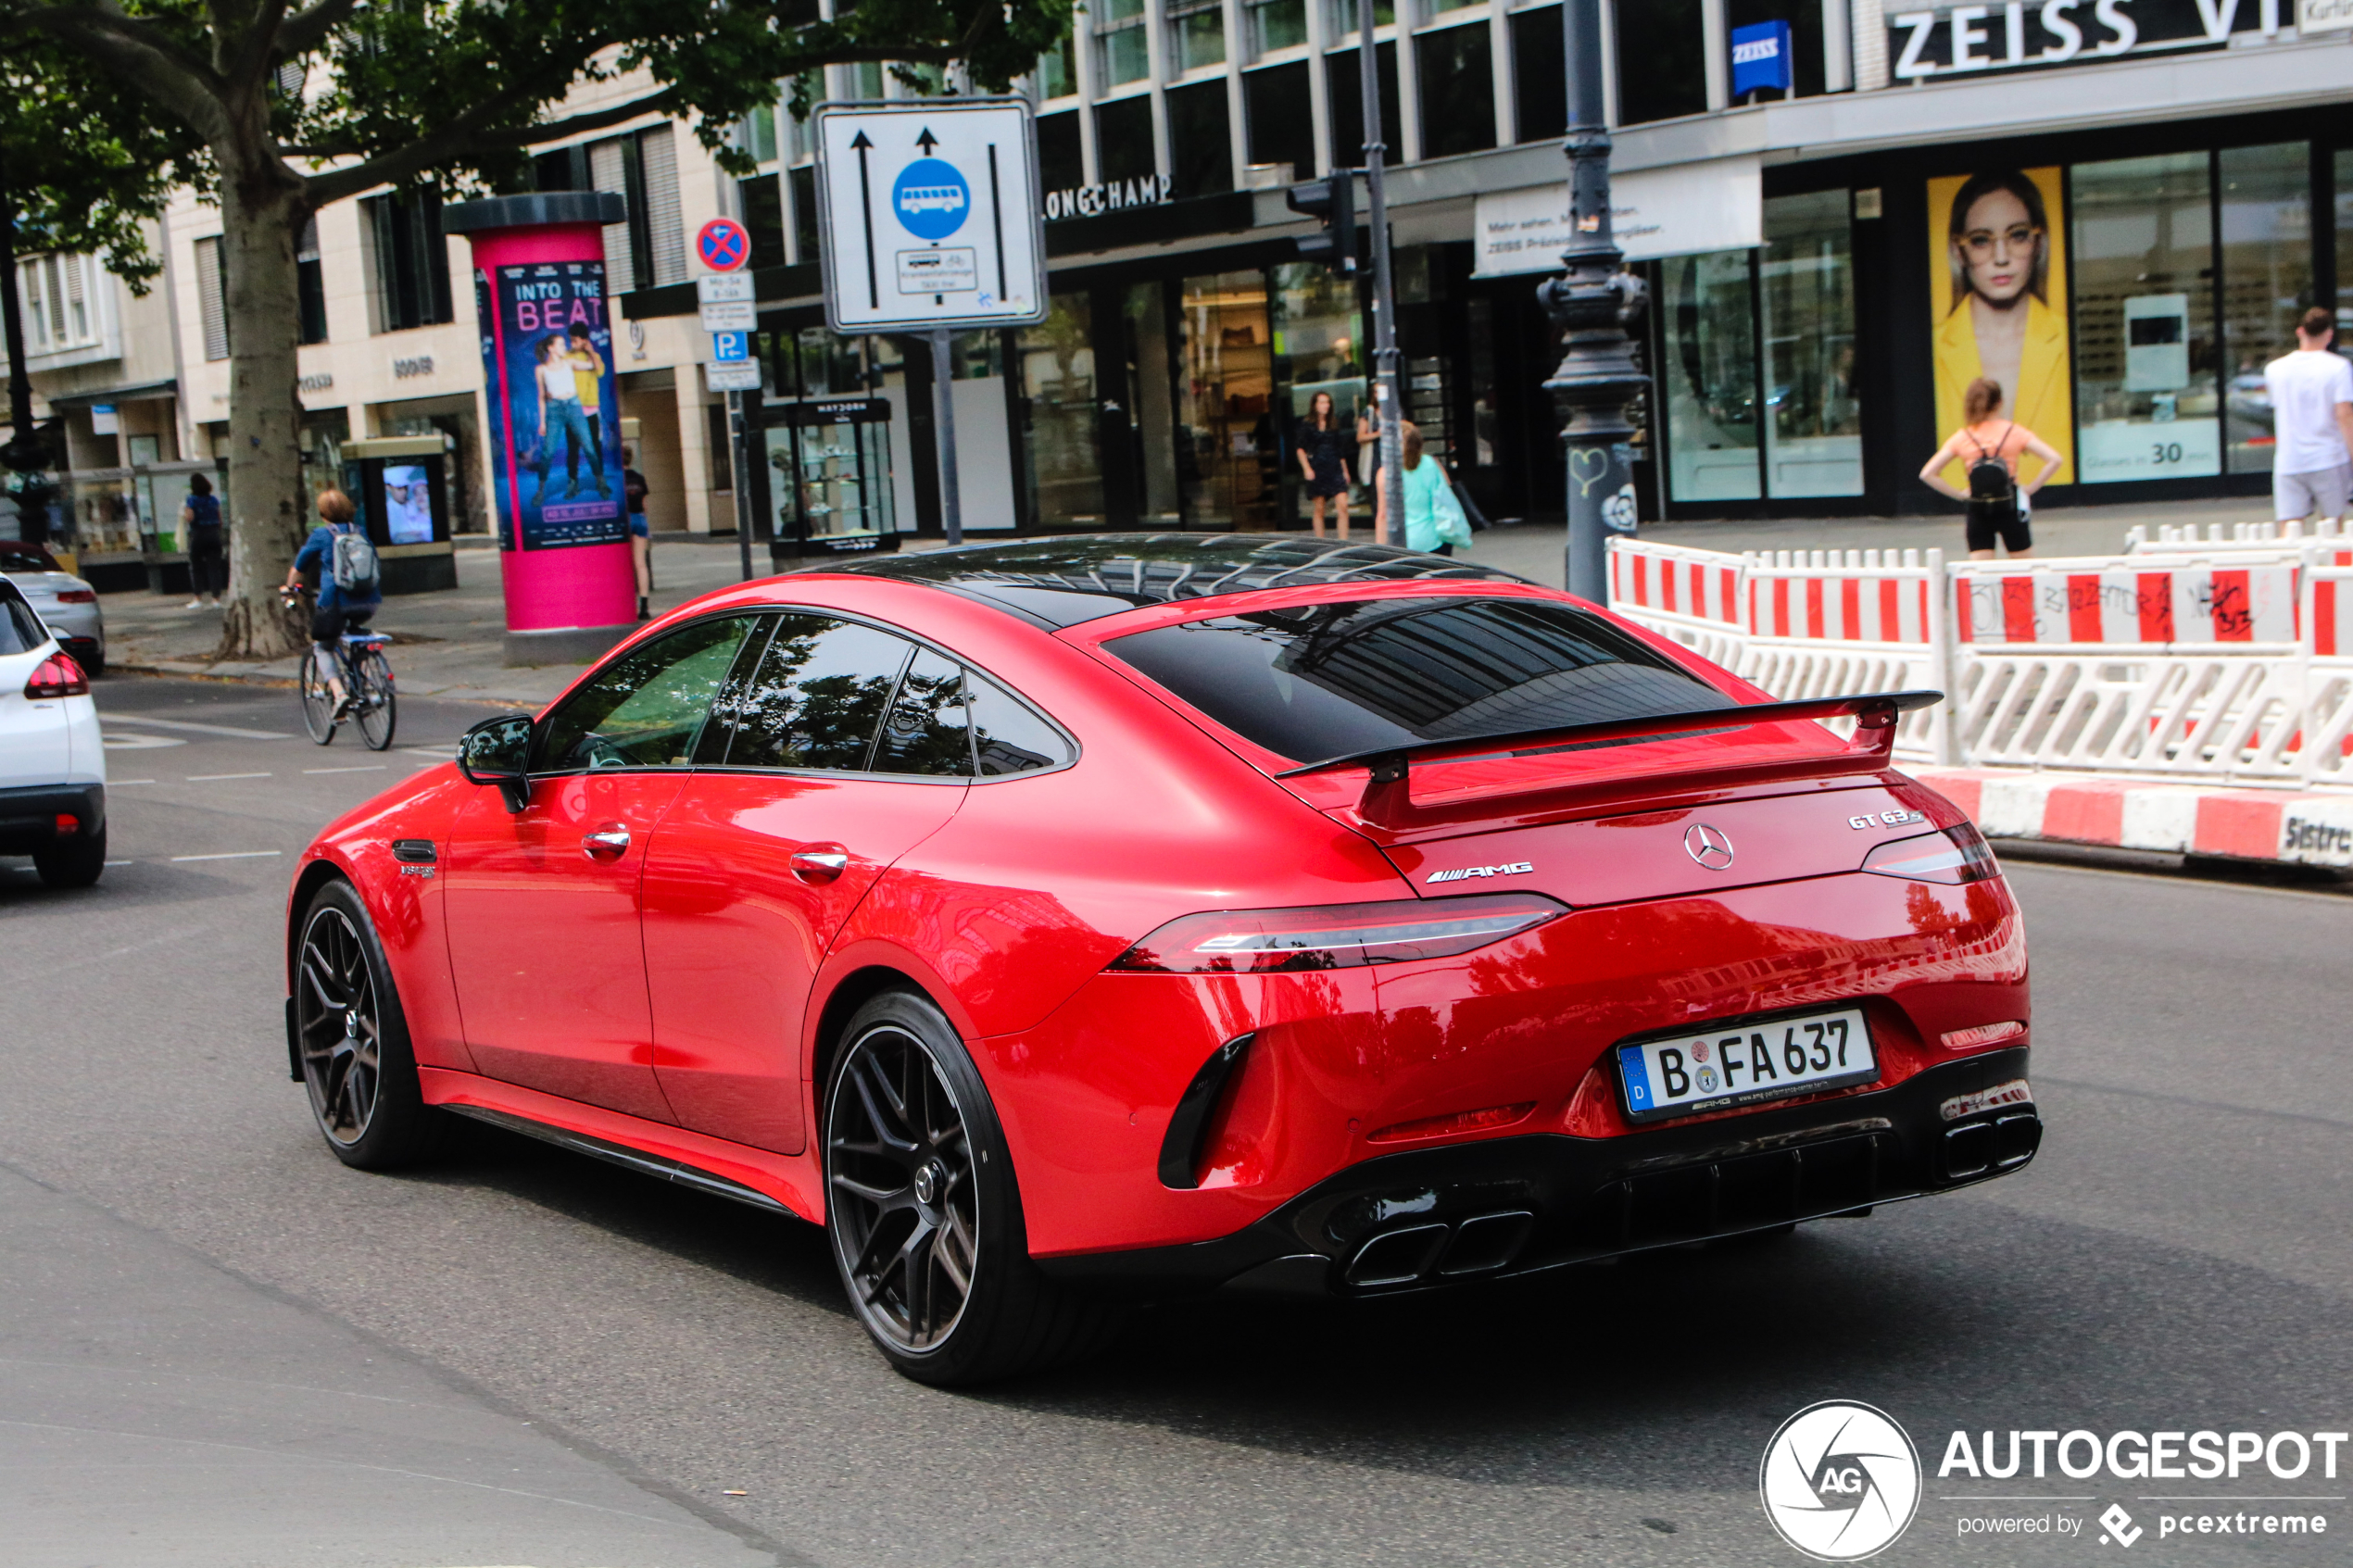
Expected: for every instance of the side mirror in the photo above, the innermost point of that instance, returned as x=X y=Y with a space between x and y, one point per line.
x=497 y=752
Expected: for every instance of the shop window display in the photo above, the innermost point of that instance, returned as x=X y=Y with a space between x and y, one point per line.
x=1708 y=324
x=1814 y=427
x=1062 y=449
x=2267 y=283
x=2145 y=360
x=1152 y=411
x=1229 y=447
x=2342 y=186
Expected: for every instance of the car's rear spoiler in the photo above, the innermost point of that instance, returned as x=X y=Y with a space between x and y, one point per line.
x=1389 y=802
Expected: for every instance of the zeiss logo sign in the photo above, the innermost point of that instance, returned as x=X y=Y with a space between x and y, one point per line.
x=1760 y=57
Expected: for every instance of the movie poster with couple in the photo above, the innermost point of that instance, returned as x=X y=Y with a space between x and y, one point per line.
x=1998 y=296
x=548 y=345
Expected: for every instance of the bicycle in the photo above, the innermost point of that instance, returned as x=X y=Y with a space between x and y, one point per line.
x=367 y=681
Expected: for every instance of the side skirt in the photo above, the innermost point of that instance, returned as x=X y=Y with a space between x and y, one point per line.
x=780 y=1183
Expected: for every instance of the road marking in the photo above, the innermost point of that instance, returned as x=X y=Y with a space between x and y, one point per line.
x=371 y=768
x=233 y=855
x=436 y=756
x=216 y=778
x=118 y=862
x=111 y=783
x=193 y=728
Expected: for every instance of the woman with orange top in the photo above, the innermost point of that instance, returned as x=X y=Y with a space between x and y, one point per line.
x=1988 y=448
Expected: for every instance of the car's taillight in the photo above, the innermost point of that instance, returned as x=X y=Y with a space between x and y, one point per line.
x=59 y=676
x=1958 y=854
x=1335 y=935
x=77 y=597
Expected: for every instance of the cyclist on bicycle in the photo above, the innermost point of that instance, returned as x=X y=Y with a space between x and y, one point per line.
x=346 y=601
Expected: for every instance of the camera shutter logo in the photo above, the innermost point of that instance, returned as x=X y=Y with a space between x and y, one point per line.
x=1840 y=1481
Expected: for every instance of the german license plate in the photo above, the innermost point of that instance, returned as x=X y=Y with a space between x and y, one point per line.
x=1745 y=1064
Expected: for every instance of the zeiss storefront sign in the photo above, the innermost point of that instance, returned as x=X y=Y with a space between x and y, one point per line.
x=2036 y=34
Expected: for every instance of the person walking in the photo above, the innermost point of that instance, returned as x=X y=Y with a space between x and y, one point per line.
x=641 y=536
x=200 y=529
x=1321 y=460
x=2311 y=393
x=1989 y=446
x=348 y=588
x=1434 y=521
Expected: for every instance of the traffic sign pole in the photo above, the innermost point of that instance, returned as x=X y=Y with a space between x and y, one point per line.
x=943 y=394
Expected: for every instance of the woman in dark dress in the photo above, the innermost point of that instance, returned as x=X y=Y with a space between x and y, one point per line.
x=1319 y=457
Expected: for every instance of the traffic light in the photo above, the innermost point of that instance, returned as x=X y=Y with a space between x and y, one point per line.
x=1332 y=202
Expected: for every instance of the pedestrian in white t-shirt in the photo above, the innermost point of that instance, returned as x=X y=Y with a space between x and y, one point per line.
x=2312 y=423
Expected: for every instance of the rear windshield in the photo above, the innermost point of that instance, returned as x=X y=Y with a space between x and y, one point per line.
x=1332 y=680
x=21 y=629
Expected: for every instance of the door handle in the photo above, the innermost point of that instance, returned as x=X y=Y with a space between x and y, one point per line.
x=820 y=864
x=609 y=843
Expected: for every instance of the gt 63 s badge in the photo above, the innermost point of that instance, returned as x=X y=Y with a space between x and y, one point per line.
x=1840 y=1481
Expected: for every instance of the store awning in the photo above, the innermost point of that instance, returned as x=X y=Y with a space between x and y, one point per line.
x=141 y=392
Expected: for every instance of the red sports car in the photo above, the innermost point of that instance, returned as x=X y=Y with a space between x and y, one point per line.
x=1065 y=921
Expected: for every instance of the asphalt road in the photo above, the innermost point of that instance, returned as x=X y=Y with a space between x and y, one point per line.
x=220 y=1347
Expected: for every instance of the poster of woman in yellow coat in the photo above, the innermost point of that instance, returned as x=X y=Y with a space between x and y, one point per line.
x=1997 y=286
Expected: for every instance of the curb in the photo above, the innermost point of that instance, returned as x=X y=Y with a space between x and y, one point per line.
x=2285 y=827
x=179 y=670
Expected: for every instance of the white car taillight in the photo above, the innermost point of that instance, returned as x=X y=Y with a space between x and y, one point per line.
x=57 y=676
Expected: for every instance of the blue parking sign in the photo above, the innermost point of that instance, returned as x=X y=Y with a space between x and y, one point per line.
x=1760 y=57
x=727 y=346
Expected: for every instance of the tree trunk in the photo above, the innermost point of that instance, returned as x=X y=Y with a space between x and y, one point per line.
x=262 y=209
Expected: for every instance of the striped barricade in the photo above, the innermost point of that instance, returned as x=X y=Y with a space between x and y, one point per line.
x=1691 y=595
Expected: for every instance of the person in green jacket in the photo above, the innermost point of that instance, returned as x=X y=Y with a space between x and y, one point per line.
x=1434 y=521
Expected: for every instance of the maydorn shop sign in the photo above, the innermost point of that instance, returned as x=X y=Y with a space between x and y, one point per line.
x=1946 y=40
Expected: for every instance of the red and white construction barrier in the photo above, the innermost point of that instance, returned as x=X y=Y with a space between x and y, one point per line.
x=2247 y=824
x=2216 y=661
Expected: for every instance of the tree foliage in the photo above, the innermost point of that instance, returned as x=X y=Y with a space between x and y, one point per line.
x=82 y=165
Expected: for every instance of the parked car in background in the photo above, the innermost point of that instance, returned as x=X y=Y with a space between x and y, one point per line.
x=53 y=766
x=65 y=602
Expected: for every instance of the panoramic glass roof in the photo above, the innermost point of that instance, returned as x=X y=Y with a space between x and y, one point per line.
x=1064 y=582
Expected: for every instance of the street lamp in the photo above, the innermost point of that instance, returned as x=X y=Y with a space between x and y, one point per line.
x=1597 y=376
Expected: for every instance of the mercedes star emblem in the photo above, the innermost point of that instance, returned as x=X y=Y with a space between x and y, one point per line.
x=1711 y=847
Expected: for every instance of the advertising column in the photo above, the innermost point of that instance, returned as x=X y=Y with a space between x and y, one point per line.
x=553 y=426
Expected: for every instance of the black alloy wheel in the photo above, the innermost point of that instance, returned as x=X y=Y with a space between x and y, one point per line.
x=353 y=1039
x=924 y=1212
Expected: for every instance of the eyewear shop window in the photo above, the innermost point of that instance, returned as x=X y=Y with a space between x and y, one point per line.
x=1797 y=297
x=2126 y=306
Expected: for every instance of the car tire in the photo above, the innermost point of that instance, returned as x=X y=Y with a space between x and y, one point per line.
x=920 y=1188
x=352 y=1039
x=76 y=863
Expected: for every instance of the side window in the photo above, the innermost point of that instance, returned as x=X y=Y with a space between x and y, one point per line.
x=645 y=708
x=1008 y=738
x=925 y=731
x=818 y=696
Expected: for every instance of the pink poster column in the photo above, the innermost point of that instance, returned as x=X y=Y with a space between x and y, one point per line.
x=552 y=430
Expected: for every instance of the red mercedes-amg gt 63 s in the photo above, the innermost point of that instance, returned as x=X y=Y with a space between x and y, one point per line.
x=1063 y=921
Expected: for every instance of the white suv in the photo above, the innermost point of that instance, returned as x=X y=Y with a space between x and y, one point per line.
x=53 y=768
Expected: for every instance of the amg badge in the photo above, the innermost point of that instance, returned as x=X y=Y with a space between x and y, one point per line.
x=1461 y=872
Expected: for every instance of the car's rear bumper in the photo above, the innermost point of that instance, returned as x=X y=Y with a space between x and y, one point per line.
x=1512 y=1206
x=28 y=813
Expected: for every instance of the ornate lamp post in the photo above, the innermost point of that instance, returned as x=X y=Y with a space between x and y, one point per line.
x=1593 y=304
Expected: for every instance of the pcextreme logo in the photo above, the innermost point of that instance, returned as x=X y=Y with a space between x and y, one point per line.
x=1840 y=1481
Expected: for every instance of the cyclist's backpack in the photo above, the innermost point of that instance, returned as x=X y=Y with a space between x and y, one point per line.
x=1988 y=477
x=353 y=565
